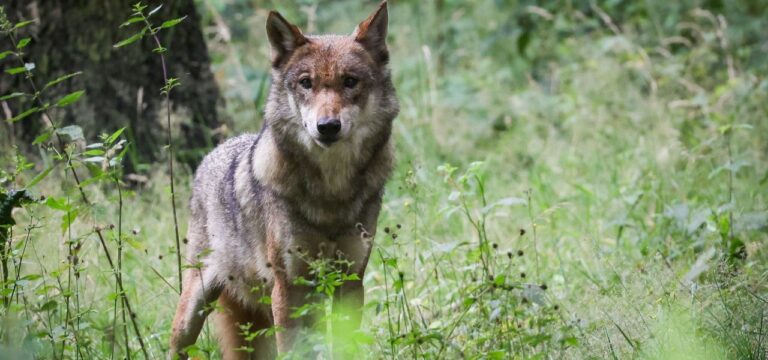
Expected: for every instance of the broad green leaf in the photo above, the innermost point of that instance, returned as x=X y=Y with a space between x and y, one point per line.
x=70 y=98
x=129 y=40
x=57 y=203
x=61 y=78
x=171 y=23
x=23 y=43
x=24 y=114
x=4 y=54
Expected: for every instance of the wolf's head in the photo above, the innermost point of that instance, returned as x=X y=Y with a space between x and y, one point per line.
x=329 y=90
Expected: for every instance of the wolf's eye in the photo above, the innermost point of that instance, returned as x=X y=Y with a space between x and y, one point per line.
x=305 y=83
x=349 y=82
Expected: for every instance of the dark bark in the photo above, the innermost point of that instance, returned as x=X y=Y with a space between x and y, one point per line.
x=122 y=86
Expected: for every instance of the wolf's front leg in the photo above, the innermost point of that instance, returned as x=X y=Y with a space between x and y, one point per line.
x=355 y=247
x=201 y=287
x=285 y=298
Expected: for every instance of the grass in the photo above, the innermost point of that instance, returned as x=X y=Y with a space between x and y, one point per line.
x=596 y=191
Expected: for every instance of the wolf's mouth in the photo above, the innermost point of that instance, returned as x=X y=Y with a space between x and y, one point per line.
x=326 y=142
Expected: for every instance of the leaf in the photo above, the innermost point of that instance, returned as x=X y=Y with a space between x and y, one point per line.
x=71 y=132
x=70 y=98
x=12 y=95
x=23 y=43
x=468 y=302
x=111 y=139
x=4 y=54
x=499 y=280
x=57 y=204
x=16 y=70
x=42 y=138
x=68 y=218
x=48 y=306
x=61 y=78
x=130 y=40
x=171 y=23
x=22 y=24
x=94 y=152
x=132 y=20
x=24 y=114
x=151 y=12
x=134 y=243
x=39 y=177
x=94 y=159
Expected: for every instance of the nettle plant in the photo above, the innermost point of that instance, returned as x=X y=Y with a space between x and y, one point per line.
x=326 y=276
x=493 y=308
x=48 y=304
x=147 y=29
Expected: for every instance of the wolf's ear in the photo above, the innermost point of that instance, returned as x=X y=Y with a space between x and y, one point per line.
x=372 y=34
x=284 y=38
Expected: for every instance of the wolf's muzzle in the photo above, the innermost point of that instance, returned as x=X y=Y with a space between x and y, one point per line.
x=329 y=129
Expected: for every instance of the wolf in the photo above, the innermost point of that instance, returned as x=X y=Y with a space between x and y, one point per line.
x=310 y=182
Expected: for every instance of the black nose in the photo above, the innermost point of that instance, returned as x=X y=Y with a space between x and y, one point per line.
x=328 y=127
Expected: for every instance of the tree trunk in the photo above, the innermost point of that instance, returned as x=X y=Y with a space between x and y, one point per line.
x=122 y=85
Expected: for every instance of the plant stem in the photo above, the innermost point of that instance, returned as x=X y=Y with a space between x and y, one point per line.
x=83 y=196
x=167 y=92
